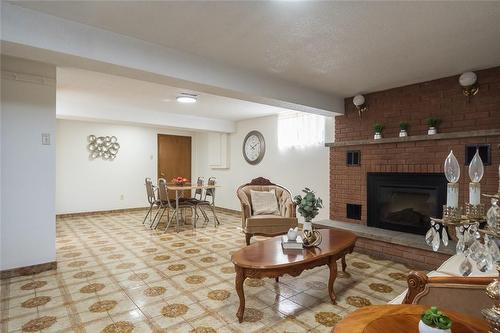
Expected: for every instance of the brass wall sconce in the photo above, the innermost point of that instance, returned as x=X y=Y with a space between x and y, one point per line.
x=468 y=81
x=359 y=103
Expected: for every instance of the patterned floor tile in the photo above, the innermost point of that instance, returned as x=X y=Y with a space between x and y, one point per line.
x=116 y=275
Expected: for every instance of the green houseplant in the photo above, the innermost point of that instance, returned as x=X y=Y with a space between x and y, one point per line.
x=433 y=123
x=378 y=131
x=403 y=128
x=308 y=207
x=434 y=321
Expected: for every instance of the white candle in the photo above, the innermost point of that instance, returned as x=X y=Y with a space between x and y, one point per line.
x=474 y=194
x=452 y=195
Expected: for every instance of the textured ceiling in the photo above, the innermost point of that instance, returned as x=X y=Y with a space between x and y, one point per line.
x=340 y=47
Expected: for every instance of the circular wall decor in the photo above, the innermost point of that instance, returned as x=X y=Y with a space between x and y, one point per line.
x=105 y=147
x=254 y=147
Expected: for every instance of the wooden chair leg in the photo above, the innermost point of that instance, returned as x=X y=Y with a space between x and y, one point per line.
x=247 y=238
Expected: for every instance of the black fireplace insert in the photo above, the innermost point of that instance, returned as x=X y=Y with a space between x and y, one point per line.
x=405 y=201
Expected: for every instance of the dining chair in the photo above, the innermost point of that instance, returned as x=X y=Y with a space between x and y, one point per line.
x=197 y=198
x=209 y=202
x=168 y=204
x=150 y=192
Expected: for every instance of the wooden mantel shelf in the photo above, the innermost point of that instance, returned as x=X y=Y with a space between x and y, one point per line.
x=439 y=136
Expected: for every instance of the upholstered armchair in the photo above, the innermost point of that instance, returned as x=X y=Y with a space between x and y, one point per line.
x=456 y=293
x=266 y=225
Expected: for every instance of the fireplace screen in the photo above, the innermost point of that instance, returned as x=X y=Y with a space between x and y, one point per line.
x=405 y=202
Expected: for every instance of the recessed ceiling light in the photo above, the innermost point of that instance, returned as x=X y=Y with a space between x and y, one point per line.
x=186 y=98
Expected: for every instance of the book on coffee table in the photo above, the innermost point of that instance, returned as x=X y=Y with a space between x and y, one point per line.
x=291 y=245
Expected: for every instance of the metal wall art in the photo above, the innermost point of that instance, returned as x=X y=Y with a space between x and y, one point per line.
x=105 y=147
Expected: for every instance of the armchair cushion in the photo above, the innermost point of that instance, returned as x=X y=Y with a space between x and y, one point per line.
x=269 y=224
x=264 y=202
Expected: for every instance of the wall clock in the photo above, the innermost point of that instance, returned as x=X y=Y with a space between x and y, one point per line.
x=254 y=147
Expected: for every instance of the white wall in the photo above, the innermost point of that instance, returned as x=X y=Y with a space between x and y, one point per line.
x=85 y=185
x=28 y=104
x=294 y=168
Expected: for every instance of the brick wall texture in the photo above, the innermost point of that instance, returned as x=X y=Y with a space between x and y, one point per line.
x=440 y=98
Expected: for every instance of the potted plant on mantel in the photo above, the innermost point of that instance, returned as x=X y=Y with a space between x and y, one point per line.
x=433 y=123
x=434 y=321
x=403 y=128
x=378 y=131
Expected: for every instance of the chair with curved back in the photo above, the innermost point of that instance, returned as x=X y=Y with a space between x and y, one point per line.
x=168 y=204
x=209 y=202
x=266 y=225
x=152 y=200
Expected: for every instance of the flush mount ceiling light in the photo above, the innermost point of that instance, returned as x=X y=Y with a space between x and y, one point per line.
x=468 y=81
x=359 y=103
x=186 y=98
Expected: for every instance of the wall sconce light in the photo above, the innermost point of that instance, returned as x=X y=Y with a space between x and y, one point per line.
x=468 y=81
x=359 y=103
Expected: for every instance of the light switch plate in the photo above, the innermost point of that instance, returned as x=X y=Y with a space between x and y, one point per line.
x=45 y=138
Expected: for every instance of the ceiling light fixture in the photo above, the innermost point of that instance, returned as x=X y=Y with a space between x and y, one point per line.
x=359 y=103
x=186 y=98
x=468 y=81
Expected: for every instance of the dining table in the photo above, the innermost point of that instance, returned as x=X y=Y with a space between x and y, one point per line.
x=181 y=188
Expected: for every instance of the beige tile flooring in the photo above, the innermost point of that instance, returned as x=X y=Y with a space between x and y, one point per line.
x=115 y=275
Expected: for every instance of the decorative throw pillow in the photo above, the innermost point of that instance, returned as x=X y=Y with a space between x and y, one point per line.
x=264 y=202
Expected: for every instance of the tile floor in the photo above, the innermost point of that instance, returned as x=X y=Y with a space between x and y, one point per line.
x=116 y=276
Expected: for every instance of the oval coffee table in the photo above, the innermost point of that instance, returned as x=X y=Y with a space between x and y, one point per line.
x=268 y=259
x=400 y=318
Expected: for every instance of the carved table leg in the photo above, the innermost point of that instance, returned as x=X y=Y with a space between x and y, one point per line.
x=332 y=264
x=277 y=279
x=344 y=265
x=240 y=278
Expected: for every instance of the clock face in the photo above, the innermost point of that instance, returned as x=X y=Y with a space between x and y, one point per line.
x=254 y=147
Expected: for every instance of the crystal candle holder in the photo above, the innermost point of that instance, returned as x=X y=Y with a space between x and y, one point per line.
x=452 y=213
x=475 y=212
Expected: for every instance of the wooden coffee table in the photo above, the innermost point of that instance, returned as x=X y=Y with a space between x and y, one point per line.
x=399 y=318
x=267 y=259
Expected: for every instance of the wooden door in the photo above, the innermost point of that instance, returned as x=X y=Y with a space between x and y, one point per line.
x=174 y=157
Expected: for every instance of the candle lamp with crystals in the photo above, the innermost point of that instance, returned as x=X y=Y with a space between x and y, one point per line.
x=479 y=246
x=452 y=173
x=474 y=209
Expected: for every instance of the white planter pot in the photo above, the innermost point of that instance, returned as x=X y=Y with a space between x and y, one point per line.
x=377 y=136
x=307 y=226
x=432 y=131
x=402 y=133
x=423 y=328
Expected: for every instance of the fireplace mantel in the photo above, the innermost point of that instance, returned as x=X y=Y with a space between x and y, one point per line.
x=439 y=136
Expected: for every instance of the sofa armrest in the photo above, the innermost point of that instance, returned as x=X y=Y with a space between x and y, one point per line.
x=289 y=210
x=458 y=293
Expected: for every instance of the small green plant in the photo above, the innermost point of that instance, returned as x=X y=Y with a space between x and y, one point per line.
x=403 y=126
x=308 y=205
x=433 y=122
x=378 y=128
x=435 y=318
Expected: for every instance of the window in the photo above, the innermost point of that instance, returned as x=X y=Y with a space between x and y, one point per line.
x=300 y=130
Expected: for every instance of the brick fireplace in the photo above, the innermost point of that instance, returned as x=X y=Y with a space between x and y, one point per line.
x=463 y=122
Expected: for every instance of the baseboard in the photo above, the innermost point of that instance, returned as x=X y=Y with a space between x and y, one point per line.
x=27 y=270
x=227 y=210
x=123 y=210
x=129 y=210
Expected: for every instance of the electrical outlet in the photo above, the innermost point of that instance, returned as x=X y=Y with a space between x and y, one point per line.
x=121 y=197
x=46 y=139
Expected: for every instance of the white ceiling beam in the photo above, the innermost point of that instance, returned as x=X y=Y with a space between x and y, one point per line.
x=79 y=110
x=31 y=34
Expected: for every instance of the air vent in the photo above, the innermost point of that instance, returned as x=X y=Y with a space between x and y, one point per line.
x=484 y=153
x=353 y=211
x=353 y=158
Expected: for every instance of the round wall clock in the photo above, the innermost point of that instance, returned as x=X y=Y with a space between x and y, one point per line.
x=254 y=147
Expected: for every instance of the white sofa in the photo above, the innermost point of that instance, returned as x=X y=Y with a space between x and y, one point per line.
x=450 y=269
